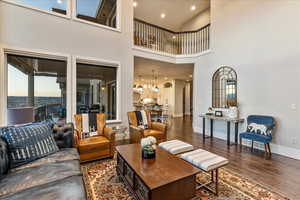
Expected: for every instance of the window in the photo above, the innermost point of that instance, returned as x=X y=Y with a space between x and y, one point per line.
x=36 y=89
x=224 y=88
x=102 y=12
x=96 y=90
x=57 y=6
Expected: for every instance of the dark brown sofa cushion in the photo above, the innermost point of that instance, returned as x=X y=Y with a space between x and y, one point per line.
x=71 y=188
x=62 y=155
x=36 y=176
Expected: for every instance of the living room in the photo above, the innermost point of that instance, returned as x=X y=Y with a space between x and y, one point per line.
x=68 y=67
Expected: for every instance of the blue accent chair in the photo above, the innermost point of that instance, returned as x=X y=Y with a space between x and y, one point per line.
x=258 y=135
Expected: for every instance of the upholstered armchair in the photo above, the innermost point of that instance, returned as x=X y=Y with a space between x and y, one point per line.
x=100 y=146
x=155 y=129
x=259 y=129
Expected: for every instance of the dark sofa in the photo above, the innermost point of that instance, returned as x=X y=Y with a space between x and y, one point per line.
x=57 y=176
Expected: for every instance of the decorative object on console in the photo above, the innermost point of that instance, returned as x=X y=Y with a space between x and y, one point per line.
x=148 y=146
x=210 y=111
x=233 y=112
x=218 y=113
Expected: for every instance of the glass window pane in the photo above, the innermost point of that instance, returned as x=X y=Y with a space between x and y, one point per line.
x=38 y=85
x=96 y=90
x=98 y=11
x=58 y=6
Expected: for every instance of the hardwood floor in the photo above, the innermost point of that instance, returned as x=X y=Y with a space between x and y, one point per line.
x=280 y=174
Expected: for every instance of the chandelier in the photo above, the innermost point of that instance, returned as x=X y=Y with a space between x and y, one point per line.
x=142 y=85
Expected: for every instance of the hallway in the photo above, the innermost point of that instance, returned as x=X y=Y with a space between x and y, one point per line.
x=280 y=174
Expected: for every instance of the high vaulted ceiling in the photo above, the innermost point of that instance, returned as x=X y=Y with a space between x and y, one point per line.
x=143 y=70
x=177 y=11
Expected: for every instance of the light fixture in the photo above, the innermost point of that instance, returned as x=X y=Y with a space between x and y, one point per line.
x=163 y=15
x=140 y=87
x=193 y=7
x=191 y=76
x=59 y=1
x=174 y=37
x=135 y=4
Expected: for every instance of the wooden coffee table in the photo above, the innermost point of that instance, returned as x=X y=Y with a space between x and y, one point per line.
x=165 y=177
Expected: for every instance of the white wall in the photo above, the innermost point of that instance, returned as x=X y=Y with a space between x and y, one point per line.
x=187 y=98
x=200 y=20
x=167 y=95
x=25 y=28
x=178 y=109
x=260 y=39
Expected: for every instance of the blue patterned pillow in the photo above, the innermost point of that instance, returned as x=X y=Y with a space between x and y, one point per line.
x=28 y=143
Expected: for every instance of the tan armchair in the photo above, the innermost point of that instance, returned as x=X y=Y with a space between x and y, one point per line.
x=96 y=147
x=157 y=130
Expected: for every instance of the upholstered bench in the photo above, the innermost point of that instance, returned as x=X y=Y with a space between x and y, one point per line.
x=176 y=146
x=207 y=162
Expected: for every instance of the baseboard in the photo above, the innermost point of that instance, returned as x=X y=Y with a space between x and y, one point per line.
x=275 y=148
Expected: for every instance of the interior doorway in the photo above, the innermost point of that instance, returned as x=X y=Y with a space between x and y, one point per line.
x=162 y=87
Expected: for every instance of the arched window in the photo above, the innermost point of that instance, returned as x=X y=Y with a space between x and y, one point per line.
x=224 y=86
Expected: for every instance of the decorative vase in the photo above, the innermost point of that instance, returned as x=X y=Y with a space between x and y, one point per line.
x=148 y=152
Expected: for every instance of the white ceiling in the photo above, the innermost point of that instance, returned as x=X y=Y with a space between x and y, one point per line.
x=143 y=67
x=177 y=11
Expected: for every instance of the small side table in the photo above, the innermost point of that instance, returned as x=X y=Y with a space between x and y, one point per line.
x=120 y=129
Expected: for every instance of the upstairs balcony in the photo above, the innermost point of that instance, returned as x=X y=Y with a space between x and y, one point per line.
x=159 y=39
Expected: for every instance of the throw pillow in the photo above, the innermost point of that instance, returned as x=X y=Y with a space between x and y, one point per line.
x=142 y=119
x=258 y=128
x=28 y=143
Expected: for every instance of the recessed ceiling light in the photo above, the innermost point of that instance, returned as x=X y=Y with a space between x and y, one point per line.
x=135 y=4
x=163 y=15
x=193 y=7
x=59 y=1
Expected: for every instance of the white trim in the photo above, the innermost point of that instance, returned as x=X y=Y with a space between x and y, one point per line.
x=69 y=89
x=118 y=10
x=176 y=59
x=101 y=62
x=275 y=148
x=68 y=10
x=114 y=122
x=4 y=50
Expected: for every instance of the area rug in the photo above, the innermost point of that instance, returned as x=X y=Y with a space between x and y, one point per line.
x=102 y=183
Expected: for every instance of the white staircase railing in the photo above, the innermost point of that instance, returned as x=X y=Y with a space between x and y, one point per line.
x=178 y=43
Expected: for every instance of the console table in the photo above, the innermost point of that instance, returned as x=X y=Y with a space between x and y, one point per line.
x=236 y=122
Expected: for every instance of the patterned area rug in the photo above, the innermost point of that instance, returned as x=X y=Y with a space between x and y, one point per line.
x=102 y=183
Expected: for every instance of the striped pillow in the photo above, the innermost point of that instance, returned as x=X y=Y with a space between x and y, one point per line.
x=28 y=143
